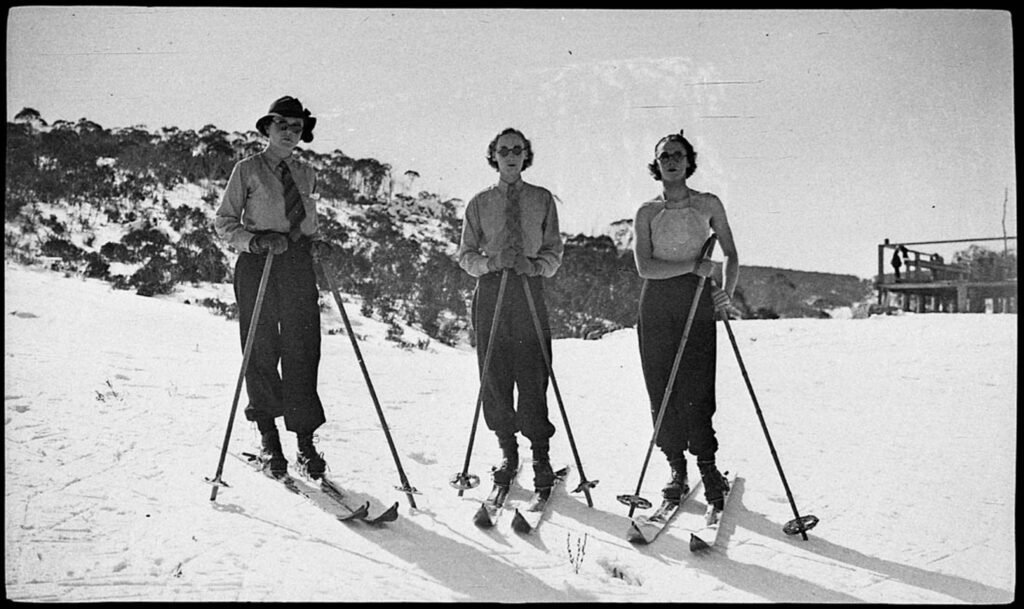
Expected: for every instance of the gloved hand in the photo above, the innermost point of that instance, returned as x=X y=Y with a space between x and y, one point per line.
x=271 y=242
x=504 y=260
x=525 y=266
x=723 y=304
x=320 y=249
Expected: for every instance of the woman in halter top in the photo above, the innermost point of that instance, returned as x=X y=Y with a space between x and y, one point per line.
x=670 y=231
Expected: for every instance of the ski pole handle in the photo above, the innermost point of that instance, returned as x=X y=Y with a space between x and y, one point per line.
x=709 y=247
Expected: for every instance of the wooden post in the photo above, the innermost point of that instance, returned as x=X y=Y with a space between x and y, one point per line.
x=881 y=271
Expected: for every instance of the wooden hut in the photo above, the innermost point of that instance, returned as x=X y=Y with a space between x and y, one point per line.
x=922 y=281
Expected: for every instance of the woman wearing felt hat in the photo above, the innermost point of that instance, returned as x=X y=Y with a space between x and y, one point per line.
x=269 y=207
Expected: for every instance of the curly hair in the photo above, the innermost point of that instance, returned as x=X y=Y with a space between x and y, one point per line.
x=691 y=155
x=528 y=158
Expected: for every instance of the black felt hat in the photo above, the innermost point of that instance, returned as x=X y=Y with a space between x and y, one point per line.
x=288 y=107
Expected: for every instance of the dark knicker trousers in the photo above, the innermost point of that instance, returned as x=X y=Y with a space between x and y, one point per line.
x=516 y=358
x=664 y=307
x=288 y=333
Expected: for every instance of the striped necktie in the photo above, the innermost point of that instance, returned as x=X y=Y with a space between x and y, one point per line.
x=293 y=207
x=513 y=221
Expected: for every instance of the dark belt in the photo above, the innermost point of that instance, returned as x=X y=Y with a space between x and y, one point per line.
x=302 y=240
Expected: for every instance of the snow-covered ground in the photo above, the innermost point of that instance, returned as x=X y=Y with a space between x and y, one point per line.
x=899 y=433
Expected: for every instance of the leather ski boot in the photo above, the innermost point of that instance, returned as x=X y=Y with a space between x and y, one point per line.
x=715 y=484
x=677 y=486
x=310 y=462
x=543 y=475
x=271 y=454
x=506 y=471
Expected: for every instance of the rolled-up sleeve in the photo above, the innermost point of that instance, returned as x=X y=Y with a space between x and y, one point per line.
x=549 y=256
x=228 y=221
x=471 y=256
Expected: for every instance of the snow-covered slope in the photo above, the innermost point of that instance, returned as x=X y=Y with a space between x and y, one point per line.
x=898 y=432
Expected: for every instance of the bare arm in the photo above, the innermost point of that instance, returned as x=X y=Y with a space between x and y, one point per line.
x=731 y=268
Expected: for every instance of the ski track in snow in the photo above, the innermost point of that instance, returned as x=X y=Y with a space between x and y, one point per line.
x=898 y=432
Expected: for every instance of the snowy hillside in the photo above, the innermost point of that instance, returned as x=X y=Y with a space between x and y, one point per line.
x=898 y=432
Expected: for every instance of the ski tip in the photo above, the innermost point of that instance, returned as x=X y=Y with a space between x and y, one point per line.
x=482 y=518
x=634 y=536
x=697 y=544
x=359 y=513
x=519 y=524
x=389 y=515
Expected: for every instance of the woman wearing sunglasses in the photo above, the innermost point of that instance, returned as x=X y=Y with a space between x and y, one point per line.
x=511 y=229
x=670 y=232
x=269 y=207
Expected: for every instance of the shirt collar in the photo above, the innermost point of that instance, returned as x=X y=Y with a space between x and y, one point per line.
x=275 y=163
x=504 y=186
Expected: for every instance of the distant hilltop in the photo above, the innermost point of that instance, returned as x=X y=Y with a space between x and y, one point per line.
x=136 y=208
x=770 y=292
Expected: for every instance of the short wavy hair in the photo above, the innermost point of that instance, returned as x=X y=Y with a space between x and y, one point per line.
x=691 y=155
x=527 y=160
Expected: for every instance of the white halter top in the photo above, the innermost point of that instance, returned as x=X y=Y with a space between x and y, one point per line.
x=678 y=234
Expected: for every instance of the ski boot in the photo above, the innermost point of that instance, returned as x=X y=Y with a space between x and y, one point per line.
x=310 y=462
x=677 y=486
x=271 y=456
x=543 y=475
x=506 y=471
x=715 y=484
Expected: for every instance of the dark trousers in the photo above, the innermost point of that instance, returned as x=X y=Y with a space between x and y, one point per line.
x=516 y=358
x=664 y=307
x=288 y=333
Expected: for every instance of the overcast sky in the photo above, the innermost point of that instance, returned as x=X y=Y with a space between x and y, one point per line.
x=823 y=132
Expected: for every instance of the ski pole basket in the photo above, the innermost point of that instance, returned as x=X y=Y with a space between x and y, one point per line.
x=801 y=524
x=464 y=482
x=635 y=501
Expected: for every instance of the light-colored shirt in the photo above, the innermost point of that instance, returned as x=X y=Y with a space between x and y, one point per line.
x=484 y=234
x=679 y=234
x=254 y=200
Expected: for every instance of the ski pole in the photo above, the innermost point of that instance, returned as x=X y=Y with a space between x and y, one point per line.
x=216 y=481
x=584 y=485
x=800 y=524
x=635 y=499
x=464 y=480
x=406 y=488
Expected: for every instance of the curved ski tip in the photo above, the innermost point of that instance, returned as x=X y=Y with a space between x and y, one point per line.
x=361 y=513
x=635 y=536
x=696 y=543
x=482 y=518
x=389 y=515
x=519 y=524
